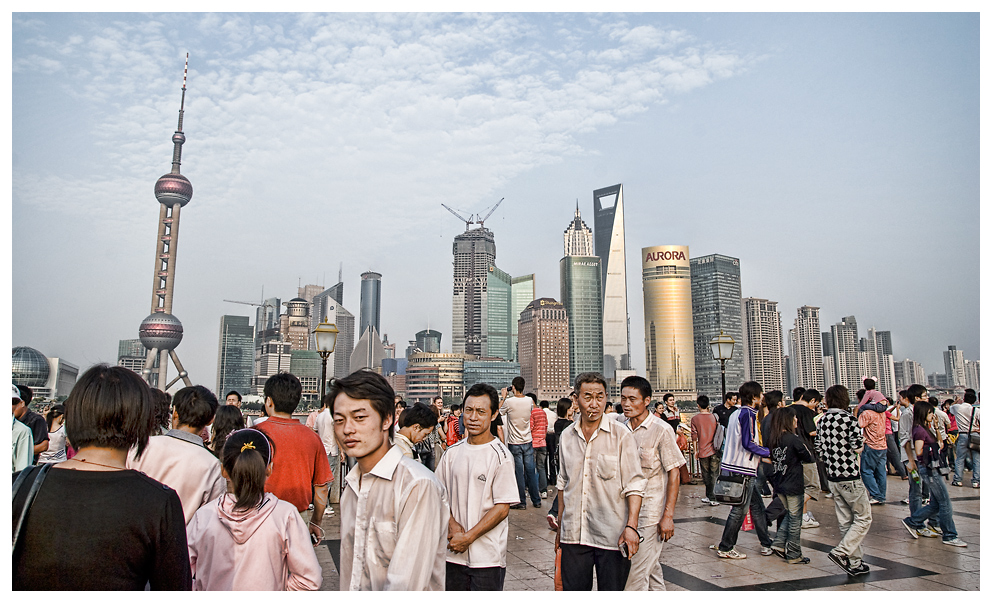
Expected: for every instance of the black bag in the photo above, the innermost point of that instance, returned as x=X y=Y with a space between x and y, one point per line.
x=730 y=489
x=19 y=485
x=973 y=438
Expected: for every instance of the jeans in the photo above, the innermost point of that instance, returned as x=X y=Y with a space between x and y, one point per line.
x=939 y=503
x=334 y=494
x=710 y=467
x=540 y=462
x=462 y=578
x=753 y=502
x=874 y=472
x=525 y=470
x=578 y=562
x=760 y=479
x=893 y=455
x=851 y=506
x=788 y=536
x=961 y=453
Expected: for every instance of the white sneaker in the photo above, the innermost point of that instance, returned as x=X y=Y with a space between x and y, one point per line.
x=544 y=494
x=704 y=500
x=329 y=511
x=809 y=523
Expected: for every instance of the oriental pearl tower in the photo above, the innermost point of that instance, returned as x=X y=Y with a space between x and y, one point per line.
x=161 y=332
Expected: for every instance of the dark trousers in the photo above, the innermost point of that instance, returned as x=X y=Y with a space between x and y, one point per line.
x=710 y=468
x=893 y=455
x=463 y=578
x=551 y=442
x=753 y=502
x=540 y=453
x=579 y=561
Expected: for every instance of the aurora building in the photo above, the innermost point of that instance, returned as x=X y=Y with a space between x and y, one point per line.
x=581 y=290
x=665 y=273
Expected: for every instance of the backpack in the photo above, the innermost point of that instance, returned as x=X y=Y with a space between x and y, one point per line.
x=719 y=432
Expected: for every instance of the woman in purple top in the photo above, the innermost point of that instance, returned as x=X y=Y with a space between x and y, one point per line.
x=929 y=464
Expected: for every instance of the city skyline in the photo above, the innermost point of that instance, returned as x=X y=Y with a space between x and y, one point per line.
x=726 y=122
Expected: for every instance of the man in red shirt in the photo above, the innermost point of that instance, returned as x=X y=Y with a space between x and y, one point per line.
x=539 y=429
x=300 y=470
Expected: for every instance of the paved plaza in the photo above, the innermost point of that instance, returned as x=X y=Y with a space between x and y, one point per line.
x=898 y=562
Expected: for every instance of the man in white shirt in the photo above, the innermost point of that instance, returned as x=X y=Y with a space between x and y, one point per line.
x=660 y=461
x=178 y=458
x=415 y=425
x=516 y=410
x=394 y=512
x=600 y=487
x=963 y=411
x=478 y=474
x=324 y=424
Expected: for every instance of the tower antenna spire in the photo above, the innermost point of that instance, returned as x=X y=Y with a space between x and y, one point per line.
x=178 y=138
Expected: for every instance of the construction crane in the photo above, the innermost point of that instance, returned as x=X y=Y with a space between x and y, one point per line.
x=490 y=213
x=469 y=222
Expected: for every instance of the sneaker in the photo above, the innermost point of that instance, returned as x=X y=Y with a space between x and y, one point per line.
x=766 y=551
x=809 y=523
x=715 y=503
x=769 y=496
x=956 y=483
x=928 y=531
x=861 y=569
x=553 y=522
x=905 y=501
x=956 y=542
x=519 y=506
x=829 y=496
x=975 y=485
x=910 y=529
x=329 y=511
x=841 y=561
x=732 y=554
x=874 y=501
x=779 y=552
x=800 y=560
x=544 y=494
x=704 y=500
x=536 y=504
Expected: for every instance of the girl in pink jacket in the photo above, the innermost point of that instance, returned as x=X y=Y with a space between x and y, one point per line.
x=247 y=539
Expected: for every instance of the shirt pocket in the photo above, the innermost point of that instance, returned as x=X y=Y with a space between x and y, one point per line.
x=606 y=466
x=649 y=460
x=384 y=540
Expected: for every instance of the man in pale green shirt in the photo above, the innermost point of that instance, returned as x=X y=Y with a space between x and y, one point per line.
x=21 y=440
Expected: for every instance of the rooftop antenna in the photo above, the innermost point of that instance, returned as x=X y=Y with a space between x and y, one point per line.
x=179 y=138
x=340 y=264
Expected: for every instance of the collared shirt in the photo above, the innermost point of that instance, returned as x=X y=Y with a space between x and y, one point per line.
x=22 y=446
x=394 y=527
x=324 y=424
x=596 y=478
x=658 y=453
x=405 y=445
x=179 y=460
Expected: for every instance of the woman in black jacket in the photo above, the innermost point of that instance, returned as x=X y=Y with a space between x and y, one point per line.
x=788 y=453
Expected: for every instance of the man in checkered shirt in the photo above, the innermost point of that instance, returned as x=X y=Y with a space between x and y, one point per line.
x=839 y=442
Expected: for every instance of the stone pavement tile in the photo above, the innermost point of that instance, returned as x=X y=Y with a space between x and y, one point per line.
x=687 y=557
x=967 y=580
x=911 y=584
x=514 y=585
x=790 y=572
x=522 y=572
x=736 y=581
x=928 y=565
x=538 y=584
x=850 y=587
x=715 y=567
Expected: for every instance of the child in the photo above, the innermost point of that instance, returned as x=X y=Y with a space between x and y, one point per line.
x=788 y=453
x=248 y=539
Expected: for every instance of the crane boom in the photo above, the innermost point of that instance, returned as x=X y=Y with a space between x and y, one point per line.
x=488 y=214
x=248 y=303
x=459 y=216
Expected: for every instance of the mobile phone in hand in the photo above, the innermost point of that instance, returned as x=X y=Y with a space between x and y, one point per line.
x=314 y=539
x=624 y=550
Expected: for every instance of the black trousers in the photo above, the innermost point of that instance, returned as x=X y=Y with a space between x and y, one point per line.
x=578 y=562
x=463 y=578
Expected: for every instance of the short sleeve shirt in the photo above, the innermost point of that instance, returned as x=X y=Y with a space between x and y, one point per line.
x=298 y=463
x=324 y=424
x=539 y=427
x=476 y=478
x=658 y=453
x=38 y=426
x=517 y=426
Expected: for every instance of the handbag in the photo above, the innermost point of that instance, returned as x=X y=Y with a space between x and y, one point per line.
x=730 y=489
x=973 y=444
x=19 y=485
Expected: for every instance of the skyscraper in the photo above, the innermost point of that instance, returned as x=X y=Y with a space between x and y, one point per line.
x=665 y=274
x=580 y=290
x=880 y=362
x=307 y=292
x=908 y=372
x=544 y=349
x=972 y=375
x=608 y=224
x=578 y=237
x=474 y=252
x=235 y=355
x=368 y=351
x=270 y=358
x=521 y=294
x=295 y=324
x=369 y=301
x=806 y=353
x=267 y=321
x=306 y=365
x=428 y=340
x=954 y=366
x=762 y=343
x=845 y=342
x=346 y=342
x=715 y=284
x=131 y=354
x=499 y=331
x=161 y=332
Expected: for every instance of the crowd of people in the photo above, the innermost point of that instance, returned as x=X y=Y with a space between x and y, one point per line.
x=149 y=491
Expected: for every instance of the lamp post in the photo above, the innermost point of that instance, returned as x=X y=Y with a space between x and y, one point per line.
x=722 y=347
x=326 y=335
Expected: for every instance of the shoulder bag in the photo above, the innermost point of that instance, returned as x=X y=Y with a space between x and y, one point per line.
x=730 y=489
x=973 y=437
x=20 y=484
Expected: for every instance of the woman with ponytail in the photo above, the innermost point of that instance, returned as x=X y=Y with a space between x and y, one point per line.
x=247 y=539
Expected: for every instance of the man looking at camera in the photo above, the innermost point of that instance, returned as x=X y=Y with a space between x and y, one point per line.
x=660 y=461
x=600 y=487
x=478 y=474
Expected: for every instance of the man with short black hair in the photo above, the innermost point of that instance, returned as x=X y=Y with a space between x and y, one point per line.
x=806 y=429
x=724 y=409
x=670 y=414
x=35 y=422
x=415 y=424
x=702 y=428
x=233 y=398
x=300 y=470
x=394 y=512
x=478 y=474
x=660 y=462
x=178 y=458
x=516 y=410
x=600 y=488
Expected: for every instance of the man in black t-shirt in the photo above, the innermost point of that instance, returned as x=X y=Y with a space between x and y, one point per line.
x=806 y=429
x=34 y=421
x=724 y=410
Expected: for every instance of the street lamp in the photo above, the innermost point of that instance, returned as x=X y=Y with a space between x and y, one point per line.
x=722 y=347
x=326 y=335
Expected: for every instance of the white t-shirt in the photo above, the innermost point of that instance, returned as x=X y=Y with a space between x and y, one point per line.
x=551 y=420
x=477 y=477
x=56 y=447
x=325 y=429
x=517 y=419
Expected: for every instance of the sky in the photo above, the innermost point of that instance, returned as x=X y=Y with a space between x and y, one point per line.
x=836 y=155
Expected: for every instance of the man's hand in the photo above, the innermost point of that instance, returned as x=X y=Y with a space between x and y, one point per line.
x=317 y=534
x=459 y=542
x=454 y=527
x=558 y=533
x=631 y=538
x=665 y=528
x=503 y=393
